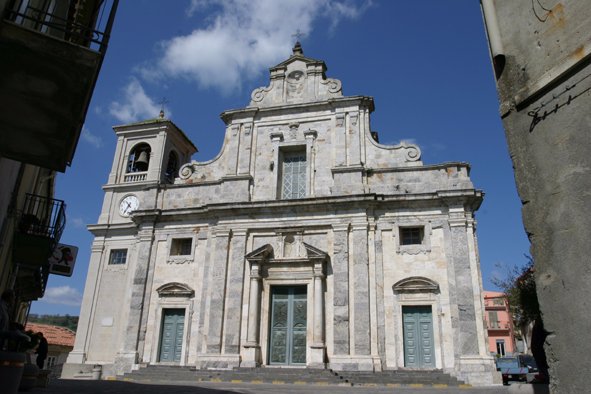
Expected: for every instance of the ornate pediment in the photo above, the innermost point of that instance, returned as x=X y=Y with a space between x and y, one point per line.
x=299 y=79
x=261 y=254
x=314 y=253
x=416 y=284
x=266 y=253
x=175 y=289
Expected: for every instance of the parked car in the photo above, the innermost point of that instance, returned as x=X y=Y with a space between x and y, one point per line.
x=534 y=375
x=520 y=368
x=511 y=369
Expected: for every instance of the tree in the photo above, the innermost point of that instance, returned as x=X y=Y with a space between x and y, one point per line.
x=519 y=286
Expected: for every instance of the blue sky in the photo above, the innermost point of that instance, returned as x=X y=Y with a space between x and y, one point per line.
x=425 y=62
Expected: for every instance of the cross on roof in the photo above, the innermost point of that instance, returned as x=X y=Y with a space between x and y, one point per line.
x=297 y=35
x=163 y=101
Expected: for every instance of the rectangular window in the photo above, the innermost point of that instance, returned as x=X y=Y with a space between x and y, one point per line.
x=501 y=347
x=493 y=319
x=411 y=235
x=50 y=362
x=293 y=174
x=118 y=256
x=181 y=246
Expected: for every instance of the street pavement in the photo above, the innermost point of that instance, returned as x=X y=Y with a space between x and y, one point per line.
x=61 y=386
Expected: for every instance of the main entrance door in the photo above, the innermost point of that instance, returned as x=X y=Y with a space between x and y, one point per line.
x=418 y=337
x=171 y=340
x=287 y=342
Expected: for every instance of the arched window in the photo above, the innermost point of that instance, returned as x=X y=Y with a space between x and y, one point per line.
x=172 y=168
x=139 y=158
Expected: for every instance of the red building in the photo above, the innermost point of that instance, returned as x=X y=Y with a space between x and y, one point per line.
x=499 y=323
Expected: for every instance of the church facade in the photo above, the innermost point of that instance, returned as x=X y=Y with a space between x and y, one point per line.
x=304 y=243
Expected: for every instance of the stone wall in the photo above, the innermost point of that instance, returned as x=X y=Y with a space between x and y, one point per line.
x=544 y=86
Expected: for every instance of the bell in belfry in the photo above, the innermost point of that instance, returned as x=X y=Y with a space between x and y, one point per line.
x=142 y=161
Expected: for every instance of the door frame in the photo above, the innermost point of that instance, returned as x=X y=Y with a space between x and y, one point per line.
x=266 y=318
x=417 y=291
x=287 y=365
x=159 y=349
x=403 y=349
x=436 y=326
x=168 y=301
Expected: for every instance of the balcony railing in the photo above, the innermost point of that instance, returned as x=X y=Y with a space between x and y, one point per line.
x=43 y=216
x=498 y=325
x=82 y=22
x=136 y=177
x=495 y=303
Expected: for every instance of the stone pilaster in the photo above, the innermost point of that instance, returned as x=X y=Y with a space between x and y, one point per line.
x=379 y=280
x=219 y=265
x=245 y=151
x=340 y=141
x=340 y=270
x=361 y=290
x=232 y=144
x=78 y=354
x=354 y=139
x=128 y=356
x=234 y=292
x=468 y=341
x=310 y=136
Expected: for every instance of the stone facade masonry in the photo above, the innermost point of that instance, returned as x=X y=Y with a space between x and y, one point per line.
x=340 y=244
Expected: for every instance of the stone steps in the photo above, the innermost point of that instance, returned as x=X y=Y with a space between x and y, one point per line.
x=179 y=374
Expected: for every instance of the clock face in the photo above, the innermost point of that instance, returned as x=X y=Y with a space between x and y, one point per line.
x=128 y=205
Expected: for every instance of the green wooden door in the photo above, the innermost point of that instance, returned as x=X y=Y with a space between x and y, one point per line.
x=418 y=337
x=171 y=340
x=287 y=342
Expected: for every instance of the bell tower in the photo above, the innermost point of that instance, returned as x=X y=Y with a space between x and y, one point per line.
x=148 y=153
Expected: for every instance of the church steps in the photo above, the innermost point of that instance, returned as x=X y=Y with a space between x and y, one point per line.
x=291 y=376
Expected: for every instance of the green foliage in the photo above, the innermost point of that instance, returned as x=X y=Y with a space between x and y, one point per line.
x=520 y=287
x=67 y=321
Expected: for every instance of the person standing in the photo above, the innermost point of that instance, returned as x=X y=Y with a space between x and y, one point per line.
x=41 y=350
x=6 y=302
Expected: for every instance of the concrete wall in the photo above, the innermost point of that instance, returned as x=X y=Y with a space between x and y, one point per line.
x=545 y=94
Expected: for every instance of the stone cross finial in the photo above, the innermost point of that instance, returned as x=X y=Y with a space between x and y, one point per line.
x=162 y=102
x=297 y=48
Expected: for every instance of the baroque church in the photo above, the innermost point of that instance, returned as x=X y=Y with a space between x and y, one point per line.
x=303 y=243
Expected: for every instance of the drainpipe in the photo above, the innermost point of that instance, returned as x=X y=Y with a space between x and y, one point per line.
x=494 y=36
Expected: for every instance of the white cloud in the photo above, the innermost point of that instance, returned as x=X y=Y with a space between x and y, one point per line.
x=62 y=295
x=91 y=138
x=242 y=38
x=77 y=222
x=409 y=141
x=136 y=104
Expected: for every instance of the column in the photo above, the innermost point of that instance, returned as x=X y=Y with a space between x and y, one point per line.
x=317 y=349
x=340 y=269
x=252 y=347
